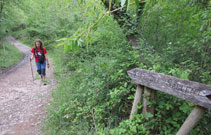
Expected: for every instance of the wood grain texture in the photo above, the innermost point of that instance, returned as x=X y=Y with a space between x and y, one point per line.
x=191 y=121
x=137 y=99
x=149 y=95
x=194 y=92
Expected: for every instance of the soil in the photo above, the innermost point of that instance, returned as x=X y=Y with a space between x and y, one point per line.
x=23 y=102
x=133 y=40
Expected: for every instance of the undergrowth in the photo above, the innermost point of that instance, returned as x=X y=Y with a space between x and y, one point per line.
x=94 y=93
x=9 y=55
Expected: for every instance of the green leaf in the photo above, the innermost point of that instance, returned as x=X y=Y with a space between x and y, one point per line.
x=137 y=4
x=66 y=47
x=148 y=115
x=128 y=5
x=117 y=3
x=110 y=1
x=60 y=44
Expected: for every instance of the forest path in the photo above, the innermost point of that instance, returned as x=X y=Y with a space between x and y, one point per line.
x=23 y=102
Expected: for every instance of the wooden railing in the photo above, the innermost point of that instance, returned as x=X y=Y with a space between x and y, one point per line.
x=147 y=82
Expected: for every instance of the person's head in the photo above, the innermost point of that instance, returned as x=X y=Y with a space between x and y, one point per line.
x=38 y=44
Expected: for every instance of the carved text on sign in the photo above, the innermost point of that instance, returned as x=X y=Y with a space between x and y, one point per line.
x=192 y=91
x=167 y=82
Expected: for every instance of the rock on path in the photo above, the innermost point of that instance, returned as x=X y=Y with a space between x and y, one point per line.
x=23 y=102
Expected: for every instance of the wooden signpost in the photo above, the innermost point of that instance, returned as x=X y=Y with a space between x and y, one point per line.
x=194 y=92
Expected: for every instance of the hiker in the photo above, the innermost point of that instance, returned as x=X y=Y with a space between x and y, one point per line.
x=40 y=54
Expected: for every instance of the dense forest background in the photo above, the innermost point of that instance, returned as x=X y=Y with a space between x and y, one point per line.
x=93 y=48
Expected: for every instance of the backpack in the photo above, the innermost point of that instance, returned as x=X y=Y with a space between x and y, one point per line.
x=40 y=58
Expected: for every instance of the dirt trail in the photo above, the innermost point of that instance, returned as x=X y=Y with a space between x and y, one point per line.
x=22 y=101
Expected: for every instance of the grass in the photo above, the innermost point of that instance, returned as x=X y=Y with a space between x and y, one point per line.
x=46 y=80
x=37 y=76
x=8 y=56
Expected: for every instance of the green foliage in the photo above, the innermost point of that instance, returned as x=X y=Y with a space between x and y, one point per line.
x=8 y=55
x=74 y=42
x=179 y=34
x=134 y=127
x=94 y=93
x=48 y=20
x=8 y=11
x=106 y=94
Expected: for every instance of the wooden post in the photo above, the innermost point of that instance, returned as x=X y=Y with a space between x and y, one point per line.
x=137 y=99
x=192 y=120
x=194 y=92
x=150 y=94
x=146 y=95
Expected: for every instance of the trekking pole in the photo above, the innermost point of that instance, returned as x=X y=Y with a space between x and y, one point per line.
x=32 y=70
